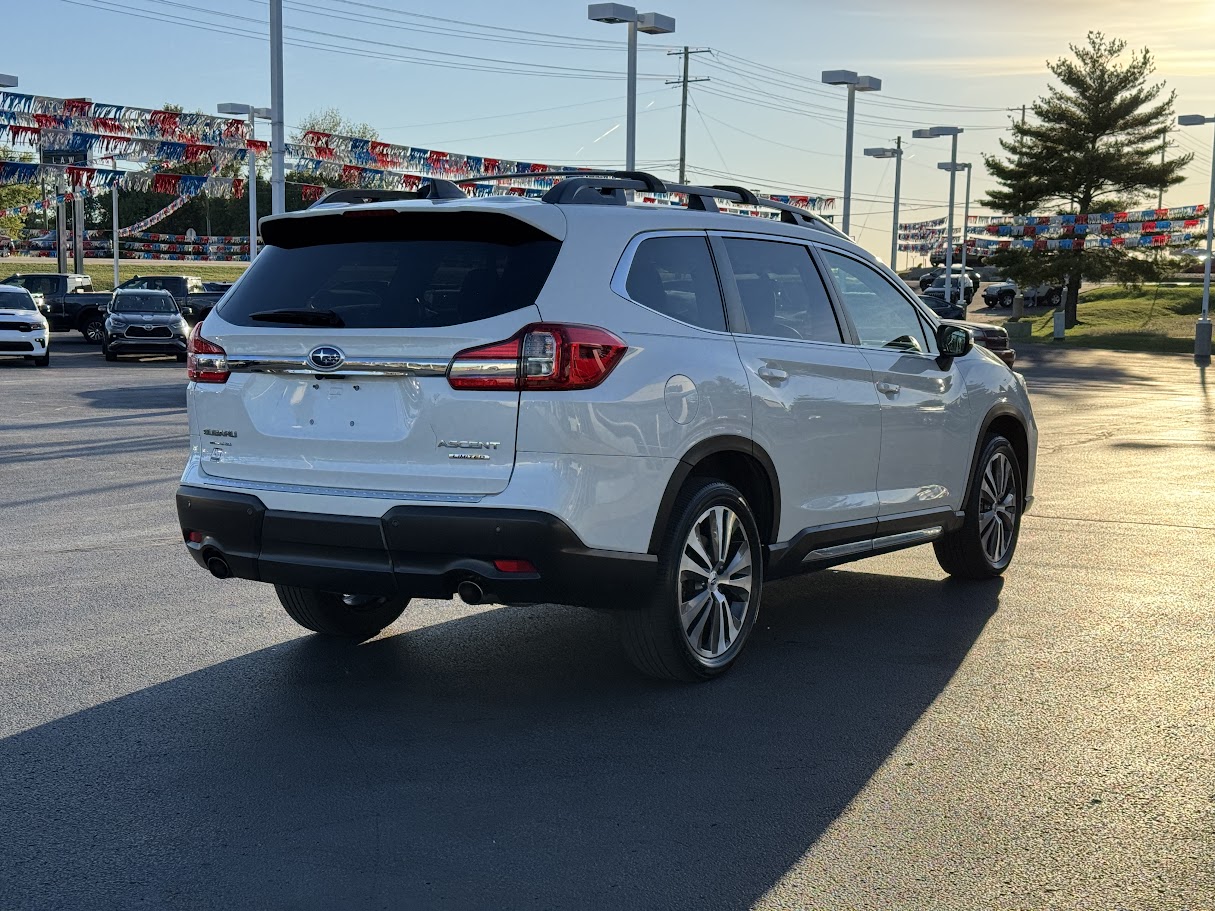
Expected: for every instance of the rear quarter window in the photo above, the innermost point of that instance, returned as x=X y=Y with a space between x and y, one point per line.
x=396 y=270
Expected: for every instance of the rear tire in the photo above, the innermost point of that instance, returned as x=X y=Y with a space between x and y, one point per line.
x=93 y=329
x=329 y=613
x=984 y=546
x=707 y=597
x=1006 y=298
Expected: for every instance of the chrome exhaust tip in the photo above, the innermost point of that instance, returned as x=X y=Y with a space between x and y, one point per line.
x=470 y=592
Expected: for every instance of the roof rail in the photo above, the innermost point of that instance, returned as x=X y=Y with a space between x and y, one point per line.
x=605 y=187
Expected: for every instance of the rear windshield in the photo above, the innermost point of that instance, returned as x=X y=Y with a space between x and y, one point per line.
x=396 y=271
x=143 y=303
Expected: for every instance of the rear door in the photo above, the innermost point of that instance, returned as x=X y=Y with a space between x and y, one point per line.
x=814 y=407
x=365 y=404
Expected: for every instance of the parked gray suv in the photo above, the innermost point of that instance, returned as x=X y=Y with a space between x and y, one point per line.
x=652 y=409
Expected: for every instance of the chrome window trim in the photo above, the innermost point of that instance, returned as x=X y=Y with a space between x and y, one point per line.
x=620 y=275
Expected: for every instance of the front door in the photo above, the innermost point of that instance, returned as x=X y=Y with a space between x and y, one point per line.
x=927 y=430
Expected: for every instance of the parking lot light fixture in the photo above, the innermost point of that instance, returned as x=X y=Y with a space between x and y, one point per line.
x=855 y=83
x=651 y=24
x=897 y=154
x=7 y=82
x=247 y=110
x=1202 y=331
x=936 y=133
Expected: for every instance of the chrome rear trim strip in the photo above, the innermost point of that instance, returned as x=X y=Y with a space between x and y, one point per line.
x=379 y=366
x=213 y=480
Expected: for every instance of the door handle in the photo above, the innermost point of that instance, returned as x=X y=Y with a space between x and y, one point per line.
x=888 y=388
x=772 y=374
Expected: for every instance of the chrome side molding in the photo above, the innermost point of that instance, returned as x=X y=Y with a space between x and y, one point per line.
x=919 y=536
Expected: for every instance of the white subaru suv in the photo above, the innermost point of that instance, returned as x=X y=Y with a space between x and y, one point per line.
x=582 y=400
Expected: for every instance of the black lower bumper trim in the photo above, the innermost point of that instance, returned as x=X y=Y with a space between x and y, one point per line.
x=418 y=551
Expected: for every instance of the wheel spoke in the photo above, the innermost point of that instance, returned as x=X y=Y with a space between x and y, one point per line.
x=741 y=562
x=690 y=609
x=697 y=548
x=717 y=531
x=735 y=622
x=696 y=629
x=723 y=624
x=693 y=568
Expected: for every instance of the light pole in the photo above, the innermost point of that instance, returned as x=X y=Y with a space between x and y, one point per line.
x=278 y=140
x=1202 y=331
x=855 y=84
x=651 y=24
x=967 y=167
x=897 y=154
x=252 y=113
x=114 y=198
x=934 y=133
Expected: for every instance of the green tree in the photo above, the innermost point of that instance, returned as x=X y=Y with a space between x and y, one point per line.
x=19 y=194
x=1095 y=140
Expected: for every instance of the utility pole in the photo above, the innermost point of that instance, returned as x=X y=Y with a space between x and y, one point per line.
x=898 y=179
x=683 y=112
x=278 y=141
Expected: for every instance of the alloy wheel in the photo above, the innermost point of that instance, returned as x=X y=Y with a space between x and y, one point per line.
x=715 y=581
x=997 y=508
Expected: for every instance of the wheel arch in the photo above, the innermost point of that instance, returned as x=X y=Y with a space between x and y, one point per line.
x=735 y=460
x=1007 y=421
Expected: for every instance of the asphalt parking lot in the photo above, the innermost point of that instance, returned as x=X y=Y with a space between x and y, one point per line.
x=891 y=739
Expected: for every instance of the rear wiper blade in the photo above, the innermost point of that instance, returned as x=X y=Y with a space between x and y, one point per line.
x=301 y=317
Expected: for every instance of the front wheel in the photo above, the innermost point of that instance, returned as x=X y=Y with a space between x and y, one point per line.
x=710 y=572
x=351 y=616
x=42 y=360
x=983 y=547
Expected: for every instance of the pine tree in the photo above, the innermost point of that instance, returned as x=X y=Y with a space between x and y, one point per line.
x=1095 y=136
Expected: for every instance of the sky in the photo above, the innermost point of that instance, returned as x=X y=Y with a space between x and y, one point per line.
x=534 y=80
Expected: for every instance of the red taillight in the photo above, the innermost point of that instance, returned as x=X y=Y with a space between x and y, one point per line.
x=206 y=362
x=542 y=356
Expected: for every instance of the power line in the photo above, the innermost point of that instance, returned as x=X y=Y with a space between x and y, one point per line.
x=560 y=107
x=882 y=98
x=517 y=68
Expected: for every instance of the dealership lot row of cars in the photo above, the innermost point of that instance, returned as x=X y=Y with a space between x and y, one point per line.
x=149 y=314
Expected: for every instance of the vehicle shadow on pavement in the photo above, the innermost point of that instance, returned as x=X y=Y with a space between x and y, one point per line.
x=142 y=398
x=507 y=759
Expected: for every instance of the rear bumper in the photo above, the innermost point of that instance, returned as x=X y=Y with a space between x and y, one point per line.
x=418 y=551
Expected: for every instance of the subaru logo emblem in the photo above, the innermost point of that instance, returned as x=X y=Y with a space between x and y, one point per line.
x=326 y=357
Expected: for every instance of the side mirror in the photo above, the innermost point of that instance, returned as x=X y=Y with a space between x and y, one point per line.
x=954 y=341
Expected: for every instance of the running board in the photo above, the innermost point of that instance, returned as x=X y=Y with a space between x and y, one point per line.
x=856 y=548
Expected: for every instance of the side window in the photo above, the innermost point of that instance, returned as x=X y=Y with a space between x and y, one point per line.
x=676 y=277
x=140 y=283
x=782 y=293
x=195 y=286
x=883 y=317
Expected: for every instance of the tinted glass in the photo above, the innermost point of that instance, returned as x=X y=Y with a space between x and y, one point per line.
x=35 y=284
x=883 y=317
x=781 y=291
x=142 y=303
x=676 y=277
x=428 y=270
x=16 y=300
